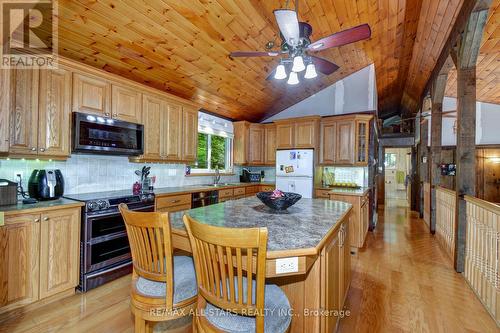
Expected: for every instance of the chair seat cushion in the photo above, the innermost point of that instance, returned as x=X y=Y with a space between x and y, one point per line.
x=185 y=285
x=277 y=313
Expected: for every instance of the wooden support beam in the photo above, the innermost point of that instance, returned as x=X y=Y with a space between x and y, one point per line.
x=468 y=50
x=423 y=161
x=437 y=95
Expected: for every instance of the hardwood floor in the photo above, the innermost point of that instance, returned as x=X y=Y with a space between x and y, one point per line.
x=401 y=282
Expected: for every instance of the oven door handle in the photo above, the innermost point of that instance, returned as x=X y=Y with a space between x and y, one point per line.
x=145 y=208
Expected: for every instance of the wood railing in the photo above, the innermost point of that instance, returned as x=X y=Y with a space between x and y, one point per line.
x=427 y=204
x=445 y=220
x=482 y=253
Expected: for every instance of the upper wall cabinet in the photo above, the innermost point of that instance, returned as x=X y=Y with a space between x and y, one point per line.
x=344 y=140
x=250 y=145
x=126 y=104
x=91 y=95
x=152 y=108
x=172 y=132
x=297 y=133
x=270 y=144
x=241 y=142
x=256 y=142
x=54 y=114
x=189 y=133
x=5 y=106
x=40 y=113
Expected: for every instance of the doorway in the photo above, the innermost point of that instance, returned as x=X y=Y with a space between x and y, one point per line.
x=397 y=163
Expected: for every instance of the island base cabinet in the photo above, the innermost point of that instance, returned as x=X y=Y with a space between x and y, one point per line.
x=39 y=257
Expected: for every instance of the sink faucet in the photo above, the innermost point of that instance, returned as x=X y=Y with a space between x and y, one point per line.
x=217 y=176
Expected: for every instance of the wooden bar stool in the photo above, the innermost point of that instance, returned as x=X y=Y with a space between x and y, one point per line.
x=228 y=301
x=163 y=286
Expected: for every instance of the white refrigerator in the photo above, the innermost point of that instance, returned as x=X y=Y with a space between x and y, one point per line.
x=295 y=171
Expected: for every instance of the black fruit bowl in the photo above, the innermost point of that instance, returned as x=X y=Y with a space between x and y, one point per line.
x=287 y=200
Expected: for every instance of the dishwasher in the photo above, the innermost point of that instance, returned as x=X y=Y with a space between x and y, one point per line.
x=202 y=199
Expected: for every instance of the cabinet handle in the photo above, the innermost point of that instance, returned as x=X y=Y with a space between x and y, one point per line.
x=45 y=218
x=33 y=149
x=106 y=114
x=175 y=201
x=37 y=220
x=115 y=115
x=42 y=149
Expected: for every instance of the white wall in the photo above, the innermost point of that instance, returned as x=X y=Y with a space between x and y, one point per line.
x=487 y=123
x=354 y=93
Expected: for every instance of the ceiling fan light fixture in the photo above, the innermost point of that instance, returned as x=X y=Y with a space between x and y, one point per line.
x=280 y=72
x=298 y=64
x=310 y=71
x=293 y=79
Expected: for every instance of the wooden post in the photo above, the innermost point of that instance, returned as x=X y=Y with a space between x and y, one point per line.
x=437 y=95
x=424 y=166
x=466 y=58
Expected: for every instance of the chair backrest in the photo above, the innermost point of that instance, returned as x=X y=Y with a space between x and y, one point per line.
x=151 y=246
x=221 y=256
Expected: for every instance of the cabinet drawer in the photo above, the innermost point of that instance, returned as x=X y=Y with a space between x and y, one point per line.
x=322 y=194
x=251 y=189
x=175 y=200
x=171 y=209
x=225 y=193
x=239 y=191
x=266 y=188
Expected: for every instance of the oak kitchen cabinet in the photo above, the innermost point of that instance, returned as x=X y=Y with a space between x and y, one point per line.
x=171 y=130
x=270 y=144
x=91 y=94
x=40 y=112
x=359 y=221
x=4 y=105
x=40 y=256
x=250 y=144
x=335 y=279
x=126 y=104
x=344 y=140
x=297 y=133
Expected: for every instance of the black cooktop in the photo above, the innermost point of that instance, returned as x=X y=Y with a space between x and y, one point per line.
x=99 y=195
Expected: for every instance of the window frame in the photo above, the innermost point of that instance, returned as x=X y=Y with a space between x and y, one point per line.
x=229 y=156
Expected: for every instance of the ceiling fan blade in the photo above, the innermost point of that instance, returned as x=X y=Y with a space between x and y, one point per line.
x=324 y=66
x=342 y=38
x=289 y=25
x=252 y=54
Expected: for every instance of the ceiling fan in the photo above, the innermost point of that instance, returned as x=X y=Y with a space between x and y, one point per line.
x=296 y=44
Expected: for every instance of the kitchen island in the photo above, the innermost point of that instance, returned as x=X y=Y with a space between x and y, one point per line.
x=307 y=252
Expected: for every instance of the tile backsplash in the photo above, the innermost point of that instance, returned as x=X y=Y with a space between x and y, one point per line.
x=96 y=173
x=358 y=175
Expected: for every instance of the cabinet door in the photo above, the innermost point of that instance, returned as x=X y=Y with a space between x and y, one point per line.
x=241 y=142
x=59 y=251
x=172 y=132
x=332 y=274
x=285 y=136
x=24 y=111
x=328 y=143
x=190 y=133
x=270 y=144
x=54 y=112
x=362 y=140
x=91 y=95
x=256 y=144
x=152 y=108
x=345 y=142
x=305 y=134
x=5 y=107
x=126 y=104
x=346 y=256
x=19 y=260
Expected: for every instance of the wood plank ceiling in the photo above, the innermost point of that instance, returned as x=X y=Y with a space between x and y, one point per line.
x=182 y=47
x=488 y=62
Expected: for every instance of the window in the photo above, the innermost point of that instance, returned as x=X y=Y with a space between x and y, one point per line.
x=390 y=161
x=214 y=152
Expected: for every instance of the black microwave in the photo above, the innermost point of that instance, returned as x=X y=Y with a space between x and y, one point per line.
x=96 y=134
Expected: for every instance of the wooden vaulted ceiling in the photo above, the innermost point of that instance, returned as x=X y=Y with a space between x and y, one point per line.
x=182 y=47
x=488 y=62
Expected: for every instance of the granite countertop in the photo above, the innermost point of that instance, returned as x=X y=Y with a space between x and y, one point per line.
x=39 y=206
x=303 y=226
x=347 y=191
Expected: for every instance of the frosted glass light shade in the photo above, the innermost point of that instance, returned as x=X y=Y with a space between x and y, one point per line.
x=293 y=79
x=280 y=72
x=298 y=64
x=310 y=72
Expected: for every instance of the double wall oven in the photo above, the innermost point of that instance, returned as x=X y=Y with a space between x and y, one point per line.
x=104 y=247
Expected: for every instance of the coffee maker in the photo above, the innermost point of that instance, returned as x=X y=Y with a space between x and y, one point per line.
x=46 y=184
